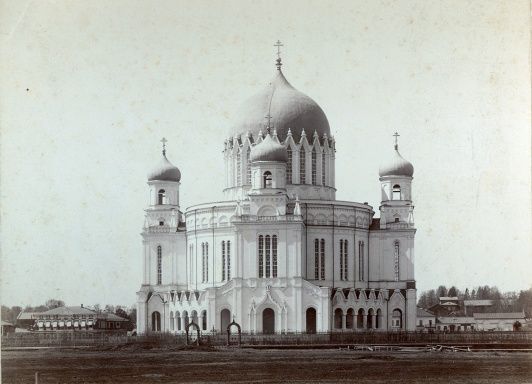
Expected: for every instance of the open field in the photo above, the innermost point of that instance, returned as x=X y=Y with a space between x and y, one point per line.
x=263 y=366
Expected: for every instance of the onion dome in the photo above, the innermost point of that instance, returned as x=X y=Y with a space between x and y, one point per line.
x=397 y=165
x=165 y=171
x=268 y=150
x=290 y=109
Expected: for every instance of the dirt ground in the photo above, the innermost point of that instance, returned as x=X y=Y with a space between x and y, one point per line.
x=263 y=366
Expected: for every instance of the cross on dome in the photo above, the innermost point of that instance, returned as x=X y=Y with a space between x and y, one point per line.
x=396 y=135
x=164 y=141
x=278 y=44
x=268 y=125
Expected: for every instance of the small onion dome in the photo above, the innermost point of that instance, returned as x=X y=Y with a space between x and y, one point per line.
x=165 y=171
x=396 y=166
x=268 y=150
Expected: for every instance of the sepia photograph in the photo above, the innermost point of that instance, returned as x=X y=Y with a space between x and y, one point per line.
x=301 y=191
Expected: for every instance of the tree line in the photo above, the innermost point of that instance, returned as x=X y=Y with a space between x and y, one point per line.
x=511 y=301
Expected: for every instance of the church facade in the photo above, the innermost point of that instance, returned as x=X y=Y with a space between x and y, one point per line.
x=279 y=253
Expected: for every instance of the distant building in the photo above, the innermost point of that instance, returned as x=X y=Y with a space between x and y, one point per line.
x=477 y=306
x=7 y=328
x=426 y=321
x=509 y=321
x=455 y=323
x=73 y=319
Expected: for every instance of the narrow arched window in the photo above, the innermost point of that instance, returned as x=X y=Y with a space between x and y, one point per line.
x=238 y=168
x=274 y=256
x=228 y=260
x=172 y=323
x=248 y=166
x=302 y=166
x=161 y=197
x=396 y=192
x=156 y=321
x=396 y=260
x=205 y=262
x=267 y=254
x=267 y=179
x=322 y=259
x=316 y=259
x=261 y=256
x=223 y=261
x=289 y=166
x=159 y=265
x=314 y=155
x=361 y=261
x=343 y=260
x=323 y=168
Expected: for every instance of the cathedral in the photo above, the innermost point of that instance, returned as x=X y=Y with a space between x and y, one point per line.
x=278 y=253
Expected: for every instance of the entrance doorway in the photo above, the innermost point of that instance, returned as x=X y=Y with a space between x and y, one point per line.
x=225 y=318
x=268 y=321
x=311 y=320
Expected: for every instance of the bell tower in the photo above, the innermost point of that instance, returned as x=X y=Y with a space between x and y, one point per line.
x=396 y=176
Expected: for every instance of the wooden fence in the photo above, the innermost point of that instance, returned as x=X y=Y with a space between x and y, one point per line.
x=74 y=339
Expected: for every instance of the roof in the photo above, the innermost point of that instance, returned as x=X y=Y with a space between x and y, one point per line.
x=455 y=319
x=478 y=303
x=6 y=324
x=423 y=313
x=67 y=311
x=165 y=171
x=448 y=298
x=269 y=150
x=288 y=108
x=499 y=315
x=396 y=165
x=112 y=316
x=27 y=315
x=448 y=303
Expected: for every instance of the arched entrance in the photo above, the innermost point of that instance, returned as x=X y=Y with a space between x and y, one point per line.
x=311 y=320
x=225 y=319
x=156 y=322
x=338 y=313
x=268 y=321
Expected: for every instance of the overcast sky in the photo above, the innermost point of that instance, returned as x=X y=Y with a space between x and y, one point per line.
x=89 y=89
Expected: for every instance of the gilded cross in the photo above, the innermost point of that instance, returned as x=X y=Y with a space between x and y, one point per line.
x=164 y=141
x=396 y=135
x=269 y=117
x=278 y=45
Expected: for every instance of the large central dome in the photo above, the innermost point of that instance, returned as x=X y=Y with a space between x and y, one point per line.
x=288 y=108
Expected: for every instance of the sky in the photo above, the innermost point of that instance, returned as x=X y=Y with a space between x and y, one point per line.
x=90 y=88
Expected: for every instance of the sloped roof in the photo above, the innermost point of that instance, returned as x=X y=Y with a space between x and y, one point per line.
x=478 y=303
x=424 y=313
x=68 y=311
x=5 y=323
x=456 y=319
x=499 y=315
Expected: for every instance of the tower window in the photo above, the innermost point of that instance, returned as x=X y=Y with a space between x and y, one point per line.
x=396 y=260
x=323 y=167
x=314 y=154
x=319 y=259
x=228 y=260
x=289 y=166
x=204 y=262
x=267 y=179
x=159 y=265
x=396 y=192
x=161 y=197
x=302 y=166
x=238 y=168
x=248 y=166
x=267 y=256
x=361 y=261
x=343 y=260
x=223 y=260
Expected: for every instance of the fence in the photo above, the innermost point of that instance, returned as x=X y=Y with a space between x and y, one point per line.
x=73 y=339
